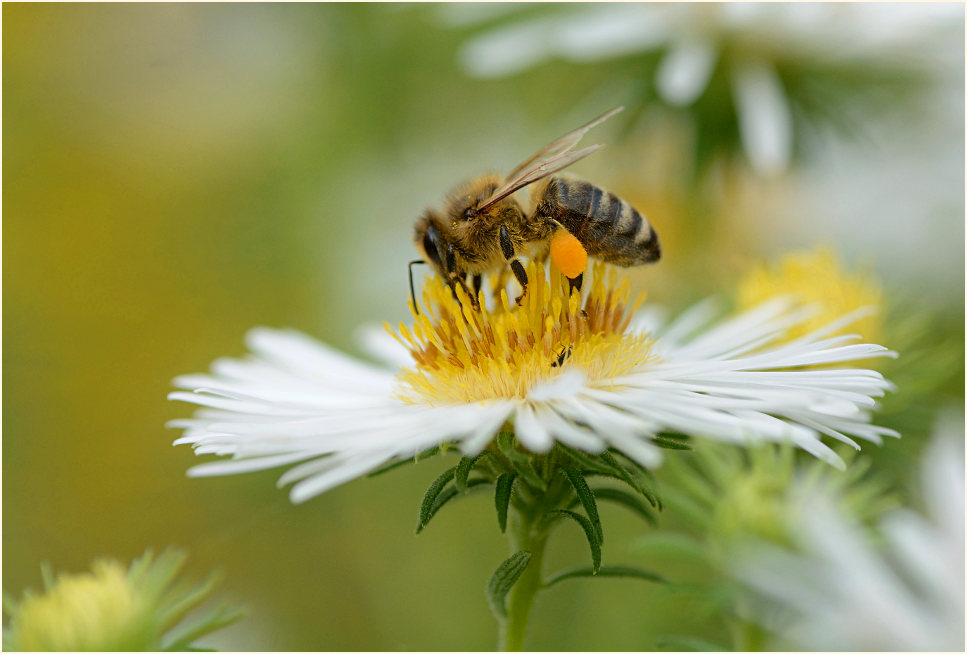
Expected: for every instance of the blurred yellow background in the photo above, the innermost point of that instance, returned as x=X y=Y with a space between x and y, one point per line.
x=176 y=174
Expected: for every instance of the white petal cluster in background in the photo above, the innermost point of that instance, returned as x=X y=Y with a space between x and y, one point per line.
x=297 y=401
x=903 y=591
x=693 y=38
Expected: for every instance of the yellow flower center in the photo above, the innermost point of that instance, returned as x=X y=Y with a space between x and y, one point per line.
x=816 y=277
x=99 y=611
x=466 y=355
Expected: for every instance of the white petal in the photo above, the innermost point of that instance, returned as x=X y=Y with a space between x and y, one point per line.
x=235 y=466
x=685 y=70
x=377 y=343
x=530 y=432
x=489 y=420
x=568 y=433
x=340 y=470
x=765 y=120
x=563 y=387
x=610 y=30
x=507 y=50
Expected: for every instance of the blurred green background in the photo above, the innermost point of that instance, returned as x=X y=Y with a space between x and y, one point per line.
x=176 y=174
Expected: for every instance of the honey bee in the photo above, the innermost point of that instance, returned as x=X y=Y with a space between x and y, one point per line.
x=484 y=228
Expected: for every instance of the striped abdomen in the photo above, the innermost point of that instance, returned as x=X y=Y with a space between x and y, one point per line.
x=609 y=228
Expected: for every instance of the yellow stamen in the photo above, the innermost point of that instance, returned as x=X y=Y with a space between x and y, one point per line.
x=816 y=277
x=464 y=355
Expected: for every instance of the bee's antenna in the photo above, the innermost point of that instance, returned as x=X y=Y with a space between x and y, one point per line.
x=412 y=293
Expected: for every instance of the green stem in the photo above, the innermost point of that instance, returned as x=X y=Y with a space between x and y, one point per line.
x=524 y=535
x=747 y=636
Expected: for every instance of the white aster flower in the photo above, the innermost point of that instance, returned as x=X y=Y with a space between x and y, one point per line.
x=691 y=40
x=551 y=370
x=905 y=593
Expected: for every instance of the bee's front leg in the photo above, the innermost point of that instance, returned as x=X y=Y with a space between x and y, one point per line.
x=477 y=283
x=454 y=278
x=510 y=256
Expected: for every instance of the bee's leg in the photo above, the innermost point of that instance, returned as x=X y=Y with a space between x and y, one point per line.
x=474 y=302
x=476 y=281
x=521 y=276
x=510 y=256
x=575 y=283
x=455 y=278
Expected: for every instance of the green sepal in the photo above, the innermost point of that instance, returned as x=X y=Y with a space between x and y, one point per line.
x=520 y=461
x=589 y=531
x=429 y=498
x=450 y=492
x=463 y=471
x=505 y=484
x=154 y=574
x=585 y=460
x=627 y=500
x=679 y=545
x=10 y=605
x=170 y=614
x=605 y=571
x=206 y=623
x=632 y=480
x=468 y=464
x=586 y=498
x=47 y=576
x=503 y=579
x=425 y=454
x=672 y=441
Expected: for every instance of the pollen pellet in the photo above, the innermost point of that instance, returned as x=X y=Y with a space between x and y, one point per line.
x=568 y=254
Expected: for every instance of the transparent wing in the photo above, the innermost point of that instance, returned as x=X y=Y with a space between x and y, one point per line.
x=556 y=156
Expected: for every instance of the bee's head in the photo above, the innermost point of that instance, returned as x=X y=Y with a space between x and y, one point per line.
x=430 y=240
x=464 y=205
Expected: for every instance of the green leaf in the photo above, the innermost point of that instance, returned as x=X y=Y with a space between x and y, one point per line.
x=450 y=492
x=587 y=500
x=605 y=571
x=429 y=498
x=628 y=500
x=425 y=454
x=591 y=534
x=503 y=579
x=505 y=484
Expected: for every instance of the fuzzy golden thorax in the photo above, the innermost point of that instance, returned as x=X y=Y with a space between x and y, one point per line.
x=472 y=234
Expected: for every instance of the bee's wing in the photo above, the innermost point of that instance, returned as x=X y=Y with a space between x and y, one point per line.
x=539 y=171
x=551 y=159
x=563 y=144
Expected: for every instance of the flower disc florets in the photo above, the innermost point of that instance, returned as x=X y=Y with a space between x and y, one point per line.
x=464 y=355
